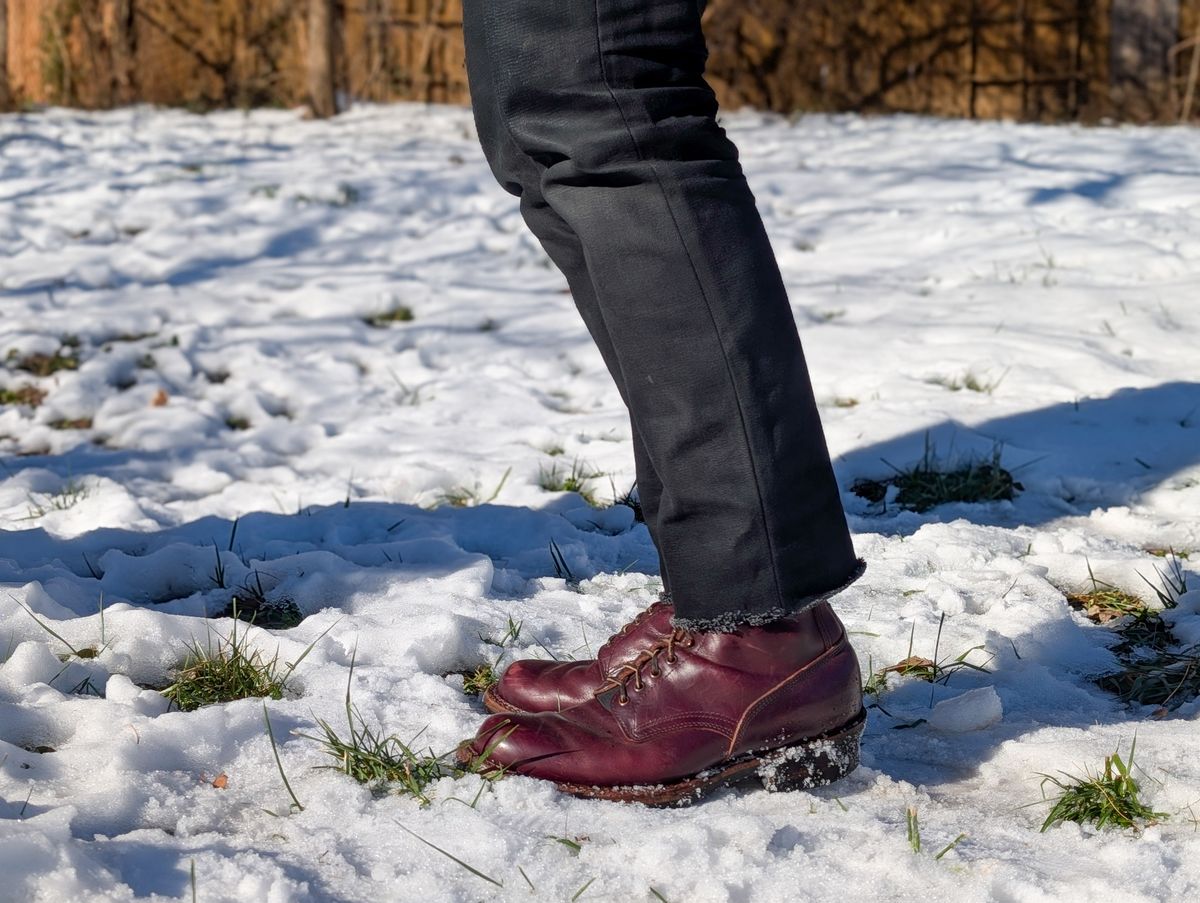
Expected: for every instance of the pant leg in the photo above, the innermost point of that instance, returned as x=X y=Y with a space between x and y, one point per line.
x=521 y=175
x=608 y=98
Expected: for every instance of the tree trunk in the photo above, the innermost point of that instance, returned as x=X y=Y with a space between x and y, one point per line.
x=123 y=52
x=6 y=98
x=321 y=94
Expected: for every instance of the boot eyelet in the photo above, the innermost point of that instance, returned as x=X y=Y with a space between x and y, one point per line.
x=622 y=700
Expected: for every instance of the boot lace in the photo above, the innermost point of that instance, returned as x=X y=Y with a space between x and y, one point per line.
x=632 y=669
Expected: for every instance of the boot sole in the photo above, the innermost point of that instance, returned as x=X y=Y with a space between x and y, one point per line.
x=810 y=763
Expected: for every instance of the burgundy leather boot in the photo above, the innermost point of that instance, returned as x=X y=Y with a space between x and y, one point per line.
x=536 y=685
x=692 y=711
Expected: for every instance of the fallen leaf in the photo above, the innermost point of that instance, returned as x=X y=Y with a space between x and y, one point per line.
x=912 y=663
x=160 y=398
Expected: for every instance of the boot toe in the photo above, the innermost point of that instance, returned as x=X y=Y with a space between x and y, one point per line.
x=535 y=685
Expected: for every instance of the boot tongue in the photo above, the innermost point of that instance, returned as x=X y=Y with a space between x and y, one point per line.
x=654 y=625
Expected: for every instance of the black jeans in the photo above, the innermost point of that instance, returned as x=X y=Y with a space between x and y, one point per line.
x=596 y=114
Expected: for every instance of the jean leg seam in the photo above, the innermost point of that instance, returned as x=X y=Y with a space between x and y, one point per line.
x=707 y=305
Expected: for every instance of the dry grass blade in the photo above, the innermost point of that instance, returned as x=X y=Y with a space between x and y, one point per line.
x=927 y=669
x=1166 y=679
x=1105 y=602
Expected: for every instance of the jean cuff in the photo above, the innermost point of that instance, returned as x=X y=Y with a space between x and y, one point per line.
x=730 y=621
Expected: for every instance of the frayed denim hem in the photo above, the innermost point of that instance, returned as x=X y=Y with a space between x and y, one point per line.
x=735 y=620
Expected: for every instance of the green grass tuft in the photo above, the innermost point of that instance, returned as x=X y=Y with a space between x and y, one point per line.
x=385 y=761
x=1109 y=798
x=398 y=314
x=45 y=364
x=226 y=671
x=69 y=423
x=969 y=381
x=251 y=604
x=931 y=482
x=71 y=494
x=1156 y=669
x=1169 y=553
x=1105 y=602
x=578 y=479
x=462 y=497
x=479 y=681
x=23 y=395
x=630 y=500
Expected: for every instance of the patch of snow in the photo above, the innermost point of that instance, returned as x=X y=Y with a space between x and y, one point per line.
x=257 y=427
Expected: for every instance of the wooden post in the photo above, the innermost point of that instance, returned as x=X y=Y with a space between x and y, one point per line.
x=1189 y=94
x=123 y=52
x=6 y=98
x=974 y=58
x=322 y=96
x=1078 y=84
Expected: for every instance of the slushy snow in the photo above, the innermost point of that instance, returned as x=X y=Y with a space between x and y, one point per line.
x=231 y=288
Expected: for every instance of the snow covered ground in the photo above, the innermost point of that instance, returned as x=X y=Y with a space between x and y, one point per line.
x=212 y=278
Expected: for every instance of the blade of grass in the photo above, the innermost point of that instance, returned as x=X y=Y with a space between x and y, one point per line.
x=278 y=763
x=44 y=626
x=950 y=846
x=474 y=871
x=526 y=877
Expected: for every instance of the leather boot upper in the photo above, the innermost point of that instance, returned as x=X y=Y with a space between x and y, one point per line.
x=689 y=701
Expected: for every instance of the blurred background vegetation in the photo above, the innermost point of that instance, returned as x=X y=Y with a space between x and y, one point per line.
x=1044 y=60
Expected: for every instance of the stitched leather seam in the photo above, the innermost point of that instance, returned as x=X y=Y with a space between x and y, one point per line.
x=719 y=724
x=799 y=676
x=659 y=730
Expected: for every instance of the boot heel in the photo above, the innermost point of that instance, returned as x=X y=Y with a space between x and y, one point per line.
x=812 y=763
